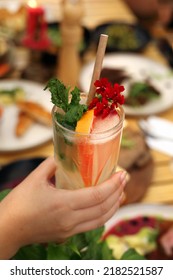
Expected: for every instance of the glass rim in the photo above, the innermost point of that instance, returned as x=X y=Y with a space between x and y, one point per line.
x=115 y=128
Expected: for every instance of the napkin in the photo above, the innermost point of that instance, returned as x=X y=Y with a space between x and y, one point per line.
x=164 y=146
x=159 y=134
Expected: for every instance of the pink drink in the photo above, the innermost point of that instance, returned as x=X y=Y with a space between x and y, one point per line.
x=87 y=159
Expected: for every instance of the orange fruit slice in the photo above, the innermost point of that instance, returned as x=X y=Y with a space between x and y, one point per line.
x=84 y=149
x=84 y=125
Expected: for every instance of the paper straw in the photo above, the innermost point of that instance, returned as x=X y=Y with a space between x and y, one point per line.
x=98 y=65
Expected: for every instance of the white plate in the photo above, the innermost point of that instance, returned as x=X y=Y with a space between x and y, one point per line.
x=139 y=68
x=37 y=133
x=137 y=209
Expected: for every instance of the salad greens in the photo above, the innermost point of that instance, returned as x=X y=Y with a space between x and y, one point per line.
x=126 y=142
x=123 y=37
x=72 y=109
x=84 y=246
x=131 y=254
x=141 y=93
x=10 y=96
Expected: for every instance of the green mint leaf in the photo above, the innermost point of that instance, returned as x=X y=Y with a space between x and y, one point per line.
x=31 y=252
x=57 y=252
x=96 y=248
x=80 y=241
x=64 y=251
x=75 y=96
x=94 y=235
x=59 y=93
x=73 y=246
x=132 y=254
x=62 y=120
x=106 y=252
x=74 y=114
x=4 y=193
x=73 y=110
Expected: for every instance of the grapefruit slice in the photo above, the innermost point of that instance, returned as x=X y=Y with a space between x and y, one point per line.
x=107 y=150
x=95 y=160
x=84 y=149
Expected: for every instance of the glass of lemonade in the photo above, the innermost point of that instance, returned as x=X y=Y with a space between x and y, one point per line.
x=87 y=159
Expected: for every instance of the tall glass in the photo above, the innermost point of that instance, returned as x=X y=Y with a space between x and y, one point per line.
x=85 y=159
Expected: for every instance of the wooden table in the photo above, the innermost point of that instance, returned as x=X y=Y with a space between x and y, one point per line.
x=97 y=11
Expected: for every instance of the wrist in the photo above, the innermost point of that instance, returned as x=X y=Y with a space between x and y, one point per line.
x=9 y=238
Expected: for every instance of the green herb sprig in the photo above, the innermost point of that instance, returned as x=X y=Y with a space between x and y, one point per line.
x=72 y=109
x=140 y=93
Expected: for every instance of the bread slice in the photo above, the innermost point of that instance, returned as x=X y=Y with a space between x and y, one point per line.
x=23 y=124
x=36 y=112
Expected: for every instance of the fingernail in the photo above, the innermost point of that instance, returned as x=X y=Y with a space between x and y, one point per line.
x=123 y=176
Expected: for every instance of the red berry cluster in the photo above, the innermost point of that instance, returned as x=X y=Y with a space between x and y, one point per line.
x=107 y=97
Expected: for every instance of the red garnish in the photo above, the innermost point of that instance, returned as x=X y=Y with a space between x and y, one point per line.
x=107 y=97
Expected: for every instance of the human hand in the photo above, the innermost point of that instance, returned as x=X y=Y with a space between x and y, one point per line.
x=36 y=212
x=167 y=242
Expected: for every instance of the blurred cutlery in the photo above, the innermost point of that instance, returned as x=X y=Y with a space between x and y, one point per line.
x=157 y=127
x=161 y=145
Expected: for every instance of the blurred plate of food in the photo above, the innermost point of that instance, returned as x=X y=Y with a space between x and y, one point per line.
x=26 y=115
x=135 y=157
x=12 y=16
x=148 y=84
x=15 y=172
x=139 y=227
x=123 y=37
